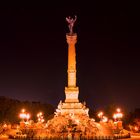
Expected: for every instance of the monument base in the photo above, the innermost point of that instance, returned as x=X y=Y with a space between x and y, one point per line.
x=67 y=108
x=79 y=126
x=71 y=94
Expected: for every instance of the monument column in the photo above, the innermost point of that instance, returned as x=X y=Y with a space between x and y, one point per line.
x=71 y=40
x=71 y=90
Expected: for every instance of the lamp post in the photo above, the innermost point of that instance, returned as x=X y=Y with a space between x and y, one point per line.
x=118 y=115
x=24 y=117
x=40 y=117
x=117 y=119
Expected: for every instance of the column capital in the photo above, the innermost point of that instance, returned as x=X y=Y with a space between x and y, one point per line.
x=71 y=38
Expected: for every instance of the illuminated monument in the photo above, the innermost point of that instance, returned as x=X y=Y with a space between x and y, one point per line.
x=71 y=116
x=71 y=104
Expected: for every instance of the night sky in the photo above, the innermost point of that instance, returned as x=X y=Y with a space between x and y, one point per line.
x=33 y=52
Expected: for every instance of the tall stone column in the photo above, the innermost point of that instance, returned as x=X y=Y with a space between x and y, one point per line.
x=71 y=90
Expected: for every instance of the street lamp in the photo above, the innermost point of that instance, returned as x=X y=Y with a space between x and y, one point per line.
x=118 y=115
x=117 y=118
x=118 y=110
x=24 y=115
x=40 y=117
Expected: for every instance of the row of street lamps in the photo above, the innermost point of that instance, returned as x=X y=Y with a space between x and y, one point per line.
x=25 y=116
x=116 y=116
x=40 y=117
x=117 y=123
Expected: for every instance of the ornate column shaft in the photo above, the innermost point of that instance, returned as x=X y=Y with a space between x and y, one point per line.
x=71 y=90
x=71 y=40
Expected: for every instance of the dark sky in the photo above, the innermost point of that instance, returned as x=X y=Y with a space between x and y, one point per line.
x=33 y=52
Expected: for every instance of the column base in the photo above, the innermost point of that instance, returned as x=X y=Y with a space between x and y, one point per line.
x=71 y=94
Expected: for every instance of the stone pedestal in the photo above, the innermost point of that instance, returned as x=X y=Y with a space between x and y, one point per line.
x=76 y=108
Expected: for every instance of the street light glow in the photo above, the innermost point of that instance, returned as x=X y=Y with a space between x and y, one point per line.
x=105 y=119
x=118 y=110
x=40 y=117
x=100 y=114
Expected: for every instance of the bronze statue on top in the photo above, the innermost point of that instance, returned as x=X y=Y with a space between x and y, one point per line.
x=71 y=22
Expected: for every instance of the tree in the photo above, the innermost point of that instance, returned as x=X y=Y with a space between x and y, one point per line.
x=10 y=109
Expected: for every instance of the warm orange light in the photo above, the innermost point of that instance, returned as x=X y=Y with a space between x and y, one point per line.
x=77 y=121
x=5 y=125
x=104 y=119
x=136 y=128
x=42 y=120
x=118 y=114
x=22 y=115
x=118 y=110
x=39 y=114
x=114 y=116
x=100 y=114
x=28 y=116
x=40 y=117
x=23 y=110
